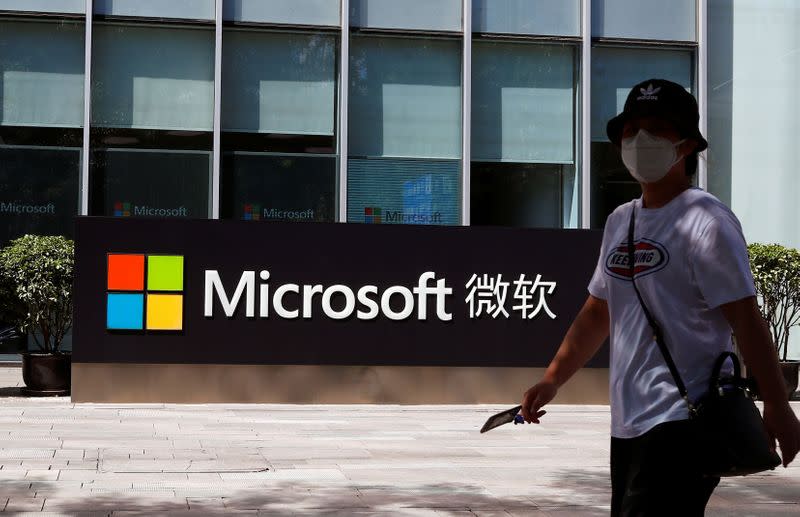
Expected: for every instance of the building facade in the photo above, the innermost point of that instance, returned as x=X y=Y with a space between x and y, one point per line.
x=443 y=112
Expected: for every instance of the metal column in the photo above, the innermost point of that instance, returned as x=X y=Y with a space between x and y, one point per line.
x=344 y=64
x=215 y=172
x=83 y=202
x=466 y=111
x=585 y=109
x=702 y=85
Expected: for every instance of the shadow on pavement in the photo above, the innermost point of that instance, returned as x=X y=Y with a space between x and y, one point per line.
x=295 y=499
x=10 y=392
x=575 y=493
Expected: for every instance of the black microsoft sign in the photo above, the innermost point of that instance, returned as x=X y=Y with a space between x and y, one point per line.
x=238 y=292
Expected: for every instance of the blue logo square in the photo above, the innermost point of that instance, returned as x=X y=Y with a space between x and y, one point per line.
x=125 y=311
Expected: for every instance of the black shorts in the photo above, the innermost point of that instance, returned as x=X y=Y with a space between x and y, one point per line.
x=658 y=473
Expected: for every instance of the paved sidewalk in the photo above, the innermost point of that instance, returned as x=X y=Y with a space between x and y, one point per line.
x=89 y=459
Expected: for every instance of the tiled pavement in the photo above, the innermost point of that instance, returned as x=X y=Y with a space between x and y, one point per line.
x=65 y=459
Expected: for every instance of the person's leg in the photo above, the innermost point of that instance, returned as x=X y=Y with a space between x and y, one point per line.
x=664 y=476
x=699 y=494
x=620 y=463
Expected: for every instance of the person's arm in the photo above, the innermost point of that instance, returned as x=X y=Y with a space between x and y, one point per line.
x=585 y=336
x=759 y=354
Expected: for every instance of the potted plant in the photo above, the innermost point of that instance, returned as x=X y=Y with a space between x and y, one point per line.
x=776 y=271
x=11 y=310
x=36 y=274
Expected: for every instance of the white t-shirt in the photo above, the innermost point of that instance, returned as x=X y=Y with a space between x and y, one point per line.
x=691 y=257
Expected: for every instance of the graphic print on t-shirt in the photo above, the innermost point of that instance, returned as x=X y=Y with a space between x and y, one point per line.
x=649 y=257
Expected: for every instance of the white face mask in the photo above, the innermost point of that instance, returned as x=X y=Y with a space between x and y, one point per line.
x=649 y=157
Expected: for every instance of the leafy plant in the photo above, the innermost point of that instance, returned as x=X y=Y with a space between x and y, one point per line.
x=36 y=275
x=776 y=271
x=11 y=307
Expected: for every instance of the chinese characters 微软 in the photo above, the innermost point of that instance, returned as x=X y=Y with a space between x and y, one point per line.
x=487 y=296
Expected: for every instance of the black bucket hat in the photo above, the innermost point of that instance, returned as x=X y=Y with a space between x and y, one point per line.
x=663 y=99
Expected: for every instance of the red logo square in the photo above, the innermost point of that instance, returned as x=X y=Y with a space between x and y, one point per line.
x=125 y=272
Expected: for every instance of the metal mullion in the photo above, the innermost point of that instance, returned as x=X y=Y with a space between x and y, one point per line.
x=405 y=33
x=511 y=38
x=38 y=15
x=215 y=168
x=344 y=63
x=692 y=47
x=644 y=43
x=281 y=29
x=585 y=107
x=149 y=23
x=87 y=110
x=702 y=84
x=466 y=111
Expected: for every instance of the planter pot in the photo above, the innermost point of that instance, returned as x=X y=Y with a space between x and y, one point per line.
x=789 y=370
x=46 y=374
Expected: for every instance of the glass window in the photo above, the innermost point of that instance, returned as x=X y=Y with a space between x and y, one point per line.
x=279 y=187
x=278 y=83
x=152 y=120
x=186 y=9
x=523 y=102
x=675 y=20
x=523 y=135
x=284 y=12
x=153 y=77
x=38 y=190
x=408 y=191
x=405 y=130
x=424 y=15
x=278 y=122
x=41 y=69
x=523 y=195
x=405 y=97
x=135 y=182
x=41 y=114
x=615 y=71
x=535 y=17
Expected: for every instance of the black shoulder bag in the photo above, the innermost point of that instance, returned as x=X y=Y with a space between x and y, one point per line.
x=730 y=426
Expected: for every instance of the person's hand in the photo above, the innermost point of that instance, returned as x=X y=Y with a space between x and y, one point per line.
x=535 y=398
x=783 y=426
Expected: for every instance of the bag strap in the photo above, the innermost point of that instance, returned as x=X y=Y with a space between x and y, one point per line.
x=657 y=332
x=737 y=381
x=717 y=370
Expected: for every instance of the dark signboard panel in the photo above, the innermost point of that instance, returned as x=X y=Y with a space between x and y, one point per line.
x=157 y=291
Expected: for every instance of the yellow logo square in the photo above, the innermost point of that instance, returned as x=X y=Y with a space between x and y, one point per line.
x=164 y=312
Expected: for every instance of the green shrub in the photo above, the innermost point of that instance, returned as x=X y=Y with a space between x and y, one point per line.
x=36 y=276
x=776 y=271
x=11 y=307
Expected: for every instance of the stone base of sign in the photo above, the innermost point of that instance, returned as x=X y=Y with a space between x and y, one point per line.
x=296 y=384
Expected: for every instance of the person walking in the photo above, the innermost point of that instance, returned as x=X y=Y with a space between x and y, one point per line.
x=693 y=272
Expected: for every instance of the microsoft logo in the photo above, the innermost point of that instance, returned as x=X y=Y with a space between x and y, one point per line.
x=122 y=209
x=144 y=292
x=372 y=215
x=252 y=212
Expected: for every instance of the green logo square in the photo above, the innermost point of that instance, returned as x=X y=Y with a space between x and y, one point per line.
x=165 y=273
